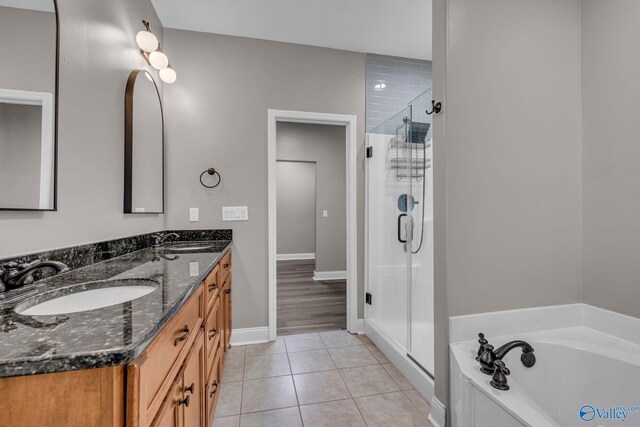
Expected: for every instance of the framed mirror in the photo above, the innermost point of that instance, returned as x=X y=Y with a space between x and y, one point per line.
x=143 y=145
x=29 y=31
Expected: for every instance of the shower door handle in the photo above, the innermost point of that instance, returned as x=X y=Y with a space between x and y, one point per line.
x=400 y=228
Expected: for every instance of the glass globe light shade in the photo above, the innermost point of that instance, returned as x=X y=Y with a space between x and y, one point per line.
x=147 y=41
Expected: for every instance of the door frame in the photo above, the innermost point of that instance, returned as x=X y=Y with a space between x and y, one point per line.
x=350 y=124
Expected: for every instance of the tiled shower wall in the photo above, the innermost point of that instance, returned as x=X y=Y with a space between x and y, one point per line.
x=403 y=80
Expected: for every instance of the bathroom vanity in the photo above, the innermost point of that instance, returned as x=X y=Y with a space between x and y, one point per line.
x=152 y=361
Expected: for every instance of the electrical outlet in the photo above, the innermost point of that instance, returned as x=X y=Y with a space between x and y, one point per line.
x=193 y=215
x=235 y=213
x=325 y=213
x=194 y=269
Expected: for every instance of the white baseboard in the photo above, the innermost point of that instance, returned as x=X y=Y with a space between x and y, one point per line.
x=329 y=275
x=438 y=415
x=250 y=336
x=357 y=327
x=294 y=257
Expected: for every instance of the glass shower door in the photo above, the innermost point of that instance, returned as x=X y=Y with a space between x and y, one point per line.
x=390 y=224
x=421 y=301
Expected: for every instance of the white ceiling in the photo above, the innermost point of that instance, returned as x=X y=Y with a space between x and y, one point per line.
x=389 y=27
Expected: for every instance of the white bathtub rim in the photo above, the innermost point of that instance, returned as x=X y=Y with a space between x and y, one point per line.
x=534 y=319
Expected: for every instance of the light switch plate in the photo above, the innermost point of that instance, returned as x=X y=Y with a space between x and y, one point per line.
x=325 y=213
x=193 y=215
x=235 y=213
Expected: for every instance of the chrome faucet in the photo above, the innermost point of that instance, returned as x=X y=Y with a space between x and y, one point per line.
x=159 y=238
x=487 y=357
x=14 y=275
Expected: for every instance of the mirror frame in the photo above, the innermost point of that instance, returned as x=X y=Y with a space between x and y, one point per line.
x=128 y=142
x=56 y=97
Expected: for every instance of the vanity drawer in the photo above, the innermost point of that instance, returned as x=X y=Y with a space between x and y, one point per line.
x=212 y=389
x=211 y=287
x=213 y=333
x=224 y=267
x=154 y=371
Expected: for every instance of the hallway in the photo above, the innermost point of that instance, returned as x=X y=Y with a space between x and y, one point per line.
x=306 y=305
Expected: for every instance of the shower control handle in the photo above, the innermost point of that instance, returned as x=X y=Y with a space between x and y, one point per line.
x=400 y=228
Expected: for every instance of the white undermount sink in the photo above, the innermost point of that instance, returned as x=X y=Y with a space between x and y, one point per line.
x=90 y=296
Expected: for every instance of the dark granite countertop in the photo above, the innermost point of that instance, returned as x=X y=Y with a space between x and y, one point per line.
x=108 y=336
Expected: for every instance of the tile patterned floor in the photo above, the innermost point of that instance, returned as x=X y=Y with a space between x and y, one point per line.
x=331 y=379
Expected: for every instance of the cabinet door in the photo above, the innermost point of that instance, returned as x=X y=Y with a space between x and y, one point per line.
x=226 y=316
x=192 y=386
x=170 y=413
x=212 y=388
x=213 y=333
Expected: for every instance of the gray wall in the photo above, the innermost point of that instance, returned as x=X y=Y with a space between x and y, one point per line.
x=404 y=78
x=512 y=144
x=98 y=51
x=217 y=116
x=611 y=154
x=296 y=207
x=326 y=146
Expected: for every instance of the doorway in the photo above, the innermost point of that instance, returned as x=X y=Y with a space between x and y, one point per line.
x=321 y=274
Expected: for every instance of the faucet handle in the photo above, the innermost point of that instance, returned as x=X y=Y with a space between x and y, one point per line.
x=482 y=341
x=487 y=359
x=499 y=378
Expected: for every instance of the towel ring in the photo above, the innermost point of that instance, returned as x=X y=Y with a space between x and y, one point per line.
x=210 y=171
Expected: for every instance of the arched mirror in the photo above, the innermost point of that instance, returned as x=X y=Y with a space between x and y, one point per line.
x=143 y=146
x=29 y=46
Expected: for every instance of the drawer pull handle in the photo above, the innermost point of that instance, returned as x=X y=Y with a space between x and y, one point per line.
x=212 y=333
x=191 y=388
x=226 y=265
x=214 y=389
x=185 y=334
x=185 y=401
x=213 y=287
x=228 y=292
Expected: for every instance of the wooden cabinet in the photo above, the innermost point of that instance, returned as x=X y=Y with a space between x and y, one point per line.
x=152 y=373
x=226 y=312
x=212 y=387
x=183 y=405
x=175 y=382
x=169 y=413
x=212 y=288
x=213 y=333
x=193 y=386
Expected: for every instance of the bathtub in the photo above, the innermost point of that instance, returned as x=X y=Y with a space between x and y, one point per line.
x=582 y=377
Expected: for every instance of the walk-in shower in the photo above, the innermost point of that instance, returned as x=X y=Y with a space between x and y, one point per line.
x=399 y=279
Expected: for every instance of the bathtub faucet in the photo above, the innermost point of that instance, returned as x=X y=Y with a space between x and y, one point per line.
x=488 y=356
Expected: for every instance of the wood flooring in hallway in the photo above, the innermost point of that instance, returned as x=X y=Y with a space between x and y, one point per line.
x=305 y=305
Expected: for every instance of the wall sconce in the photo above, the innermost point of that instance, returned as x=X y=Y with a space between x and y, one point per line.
x=150 y=49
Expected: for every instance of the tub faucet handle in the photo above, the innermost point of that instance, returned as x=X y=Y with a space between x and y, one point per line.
x=499 y=378
x=487 y=359
x=482 y=341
